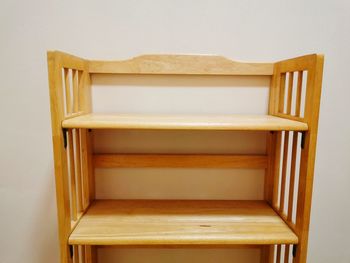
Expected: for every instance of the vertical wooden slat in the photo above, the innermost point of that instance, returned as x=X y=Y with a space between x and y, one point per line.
x=75 y=91
x=268 y=252
x=270 y=151
x=85 y=105
x=292 y=176
x=290 y=92
x=282 y=92
x=284 y=170
x=298 y=94
x=82 y=254
x=276 y=170
x=85 y=168
x=67 y=91
x=286 y=253
x=78 y=168
x=76 y=254
x=278 y=254
x=80 y=84
x=72 y=175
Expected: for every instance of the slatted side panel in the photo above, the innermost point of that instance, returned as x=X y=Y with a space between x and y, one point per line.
x=297 y=96
x=70 y=94
x=77 y=174
x=77 y=156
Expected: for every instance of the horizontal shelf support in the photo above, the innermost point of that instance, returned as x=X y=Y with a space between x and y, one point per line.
x=179 y=161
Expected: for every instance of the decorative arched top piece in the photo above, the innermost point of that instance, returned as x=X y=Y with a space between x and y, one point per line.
x=181 y=65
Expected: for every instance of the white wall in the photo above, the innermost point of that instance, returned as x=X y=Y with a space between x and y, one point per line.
x=247 y=30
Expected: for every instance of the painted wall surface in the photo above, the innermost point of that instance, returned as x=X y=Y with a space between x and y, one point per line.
x=242 y=30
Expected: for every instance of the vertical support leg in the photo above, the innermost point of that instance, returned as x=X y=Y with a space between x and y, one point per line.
x=267 y=252
x=60 y=156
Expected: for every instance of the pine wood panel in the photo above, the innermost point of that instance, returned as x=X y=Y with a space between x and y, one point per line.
x=180 y=65
x=183 y=122
x=133 y=222
x=180 y=160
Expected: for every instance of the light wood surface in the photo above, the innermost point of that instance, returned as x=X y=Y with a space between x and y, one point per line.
x=179 y=160
x=308 y=155
x=59 y=153
x=180 y=65
x=133 y=222
x=186 y=223
x=183 y=122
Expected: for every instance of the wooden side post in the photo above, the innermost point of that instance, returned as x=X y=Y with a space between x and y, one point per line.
x=59 y=153
x=267 y=252
x=312 y=105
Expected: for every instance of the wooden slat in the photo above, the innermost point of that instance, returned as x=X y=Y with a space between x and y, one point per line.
x=82 y=254
x=284 y=171
x=282 y=93
x=76 y=254
x=299 y=92
x=75 y=91
x=290 y=92
x=269 y=176
x=276 y=170
x=179 y=160
x=180 y=65
x=67 y=91
x=78 y=169
x=183 y=122
x=85 y=158
x=292 y=176
x=73 y=184
x=278 y=254
x=286 y=253
x=274 y=91
x=176 y=222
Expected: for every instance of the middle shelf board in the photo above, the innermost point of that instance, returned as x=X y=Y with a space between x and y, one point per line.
x=237 y=122
x=181 y=222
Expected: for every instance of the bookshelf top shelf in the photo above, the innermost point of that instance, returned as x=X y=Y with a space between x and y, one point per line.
x=184 y=122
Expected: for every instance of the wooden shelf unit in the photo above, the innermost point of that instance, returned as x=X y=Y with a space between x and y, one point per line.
x=278 y=224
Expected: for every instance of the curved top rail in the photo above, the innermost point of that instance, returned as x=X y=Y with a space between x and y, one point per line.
x=180 y=65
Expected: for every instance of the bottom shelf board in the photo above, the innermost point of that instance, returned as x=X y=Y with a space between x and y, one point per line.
x=181 y=222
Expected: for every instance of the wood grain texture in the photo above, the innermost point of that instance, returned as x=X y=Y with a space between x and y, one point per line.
x=180 y=65
x=183 y=122
x=179 y=160
x=59 y=153
x=308 y=155
x=133 y=222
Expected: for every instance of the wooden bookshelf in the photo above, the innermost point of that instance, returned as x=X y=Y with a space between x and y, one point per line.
x=278 y=224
